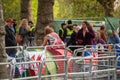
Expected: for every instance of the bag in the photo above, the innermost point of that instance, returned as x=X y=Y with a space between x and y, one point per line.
x=19 y=38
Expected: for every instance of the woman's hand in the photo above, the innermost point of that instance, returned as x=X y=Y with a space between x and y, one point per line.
x=45 y=41
x=87 y=29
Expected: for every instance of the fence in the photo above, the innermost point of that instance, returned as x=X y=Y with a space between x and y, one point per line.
x=94 y=63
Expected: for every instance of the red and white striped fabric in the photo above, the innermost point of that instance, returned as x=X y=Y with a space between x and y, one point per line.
x=33 y=67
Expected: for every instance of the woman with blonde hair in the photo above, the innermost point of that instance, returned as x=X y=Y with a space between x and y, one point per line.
x=24 y=30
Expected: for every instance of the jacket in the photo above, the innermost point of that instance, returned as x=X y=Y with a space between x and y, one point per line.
x=9 y=37
x=85 y=40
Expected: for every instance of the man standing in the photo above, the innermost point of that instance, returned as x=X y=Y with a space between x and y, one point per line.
x=63 y=32
x=10 y=37
x=69 y=30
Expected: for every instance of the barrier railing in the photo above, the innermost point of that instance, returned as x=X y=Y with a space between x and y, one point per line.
x=73 y=66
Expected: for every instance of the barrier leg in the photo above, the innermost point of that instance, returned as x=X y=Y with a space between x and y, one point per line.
x=39 y=71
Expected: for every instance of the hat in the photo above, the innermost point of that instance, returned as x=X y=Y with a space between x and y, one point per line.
x=9 y=20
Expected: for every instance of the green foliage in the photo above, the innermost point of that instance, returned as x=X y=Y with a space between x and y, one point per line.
x=77 y=9
x=87 y=8
x=108 y=6
x=63 y=9
x=11 y=9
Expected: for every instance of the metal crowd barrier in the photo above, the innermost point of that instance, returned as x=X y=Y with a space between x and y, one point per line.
x=103 y=61
x=106 y=67
x=19 y=50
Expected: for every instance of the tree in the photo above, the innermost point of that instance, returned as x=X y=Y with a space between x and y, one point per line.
x=108 y=6
x=82 y=8
x=12 y=11
x=45 y=17
x=26 y=9
x=3 y=68
x=77 y=9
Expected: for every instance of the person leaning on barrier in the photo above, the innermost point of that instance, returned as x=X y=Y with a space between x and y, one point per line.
x=51 y=38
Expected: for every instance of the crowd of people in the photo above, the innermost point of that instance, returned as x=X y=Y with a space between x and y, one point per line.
x=69 y=34
x=26 y=33
x=86 y=35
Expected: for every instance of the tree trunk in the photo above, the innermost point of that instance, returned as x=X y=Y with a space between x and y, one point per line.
x=108 y=6
x=45 y=17
x=109 y=9
x=26 y=9
x=3 y=57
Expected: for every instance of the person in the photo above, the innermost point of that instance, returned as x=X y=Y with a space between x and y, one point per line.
x=72 y=40
x=98 y=39
x=55 y=46
x=69 y=30
x=99 y=43
x=51 y=38
x=10 y=38
x=63 y=32
x=102 y=33
x=31 y=33
x=24 y=31
x=10 y=41
x=85 y=35
x=113 y=37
